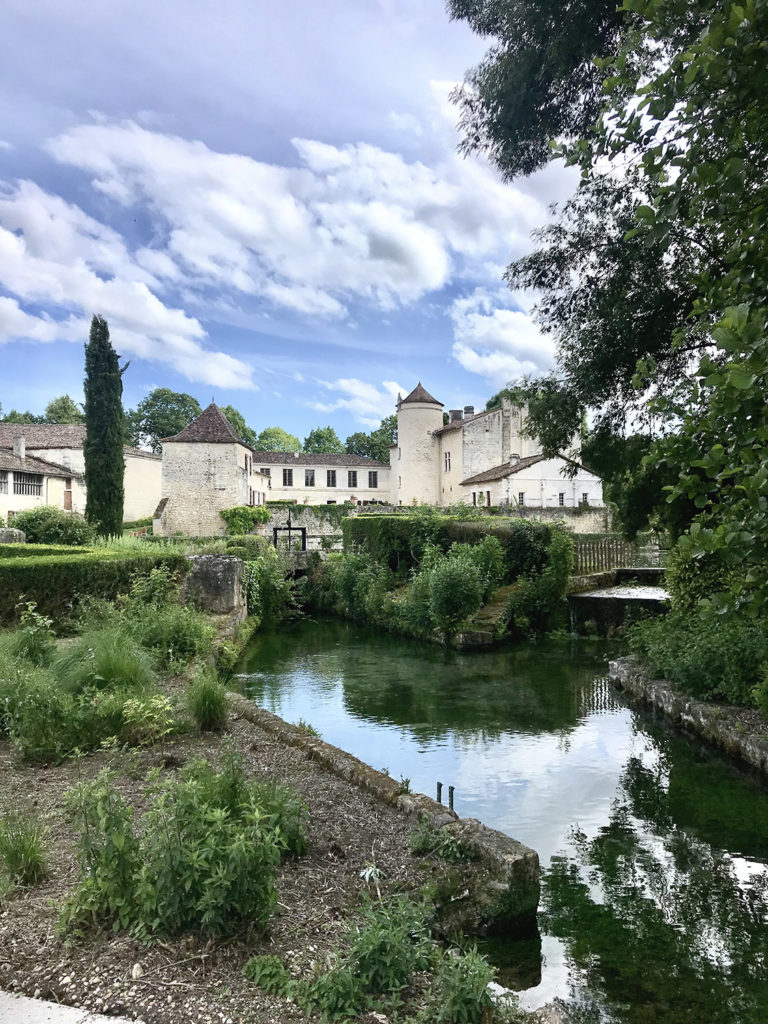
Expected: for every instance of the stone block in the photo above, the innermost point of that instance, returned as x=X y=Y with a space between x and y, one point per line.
x=214 y=584
x=10 y=536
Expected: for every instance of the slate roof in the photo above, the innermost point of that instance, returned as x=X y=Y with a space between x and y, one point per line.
x=210 y=427
x=306 y=459
x=420 y=394
x=43 y=435
x=499 y=472
x=9 y=461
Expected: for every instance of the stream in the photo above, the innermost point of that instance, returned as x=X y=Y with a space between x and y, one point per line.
x=654 y=848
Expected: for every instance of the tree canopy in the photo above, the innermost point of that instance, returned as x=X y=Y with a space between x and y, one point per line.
x=375 y=445
x=238 y=424
x=323 y=441
x=103 y=448
x=275 y=439
x=63 y=410
x=162 y=413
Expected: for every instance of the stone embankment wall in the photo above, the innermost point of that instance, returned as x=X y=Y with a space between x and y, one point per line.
x=323 y=527
x=505 y=895
x=718 y=724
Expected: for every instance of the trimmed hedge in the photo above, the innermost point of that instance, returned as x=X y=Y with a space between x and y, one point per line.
x=397 y=541
x=38 y=550
x=56 y=582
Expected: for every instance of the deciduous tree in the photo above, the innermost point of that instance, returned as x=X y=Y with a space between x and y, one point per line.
x=162 y=413
x=275 y=439
x=323 y=441
x=238 y=424
x=63 y=410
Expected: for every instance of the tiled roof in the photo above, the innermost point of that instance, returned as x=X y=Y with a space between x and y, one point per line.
x=140 y=453
x=43 y=435
x=419 y=394
x=9 y=461
x=210 y=427
x=305 y=459
x=499 y=472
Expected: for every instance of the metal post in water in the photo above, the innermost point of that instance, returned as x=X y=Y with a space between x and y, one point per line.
x=450 y=797
x=439 y=792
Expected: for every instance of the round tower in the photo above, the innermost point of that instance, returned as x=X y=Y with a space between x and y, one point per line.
x=416 y=469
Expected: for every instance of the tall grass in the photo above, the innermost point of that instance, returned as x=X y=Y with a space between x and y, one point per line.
x=207 y=702
x=22 y=847
x=104 y=659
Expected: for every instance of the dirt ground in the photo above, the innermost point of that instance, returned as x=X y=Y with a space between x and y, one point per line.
x=189 y=981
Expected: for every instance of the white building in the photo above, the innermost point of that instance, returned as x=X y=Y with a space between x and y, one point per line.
x=481 y=459
x=324 y=479
x=61 y=445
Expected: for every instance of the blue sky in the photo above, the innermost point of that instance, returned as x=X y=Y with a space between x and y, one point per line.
x=266 y=202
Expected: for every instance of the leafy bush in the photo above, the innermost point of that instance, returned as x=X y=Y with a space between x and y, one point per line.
x=242 y=518
x=391 y=944
x=692 y=575
x=207 y=702
x=708 y=656
x=538 y=600
x=253 y=545
x=33 y=641
x=39 y=550
x=425 y=840
x=269 y=590
x=462 y=983
x=104 y=659
x=455 y=591
x=51 y=525
x=146 y=720
x=202 y=864
x=175 y=634
x=22 y=847
x=56 y=582
x=154 y=589
x=269 y=974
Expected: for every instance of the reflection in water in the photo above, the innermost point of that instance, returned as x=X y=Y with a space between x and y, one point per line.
x=655 y=897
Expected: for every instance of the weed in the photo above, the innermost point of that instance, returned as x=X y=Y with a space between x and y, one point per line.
x=174 y=634
x=405 y=786
x=146 y=720
x=336 y=994
x=307 y=728
x=462 y=983
x=22 y=848
x=391 y=944
x=33 y=641
x=425 y=840
x=104 y=659
x=269 y=974
x=207 y=702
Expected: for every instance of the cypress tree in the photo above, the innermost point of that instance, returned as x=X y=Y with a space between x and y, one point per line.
x=104 y=464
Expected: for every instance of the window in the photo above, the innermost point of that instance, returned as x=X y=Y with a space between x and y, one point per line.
x=373 y=479
x=287 y=478
x=332 y=502
x=447 y=462
x=331 y=478
x=521 y=498
x=474 y=497
x=3 y=481
x=585 y=498
x=561 y=498
x=399 y=481
x=27 y=483
x=398 y=453
x=352 y=478
x=309 y=478
x=266 y=471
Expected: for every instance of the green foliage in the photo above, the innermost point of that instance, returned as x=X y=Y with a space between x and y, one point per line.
x=162 y=413
x=693 y=575
x=40 y=550
x=33 y=641
x=63 y=410
x=306 y=727
x=205 y=860
x=175 y=634
x=270 y=975
x=455 y=591
x=462 y=983
x=146 y=720
x=22 y=848
x=711 y=657
x=50 y=525
x=425 y=840
x=252 y=544
x=238 y=424
x=335 y=994
x=323 y=441
x=392 y=942
x=55 y=583
x=269 y=591
x=275 y=439
x=242 y=518
x=104 y=659
x=538 y=600
x=155 y=589
x=375 y=445
x=207 y=702
x=104 y=423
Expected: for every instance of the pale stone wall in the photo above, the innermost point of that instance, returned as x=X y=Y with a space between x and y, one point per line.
x=52 y=493
x=541 y=486
x=74 y=459
x=417 y=461
x=321 y=493
x=202 y=479
x=143 y=481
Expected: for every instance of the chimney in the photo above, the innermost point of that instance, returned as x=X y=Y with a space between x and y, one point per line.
x=19 y=447
x=514 y=459
x=455 y=415
x=469 y=411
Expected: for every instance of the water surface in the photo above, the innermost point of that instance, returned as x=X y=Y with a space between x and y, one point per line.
x=655 y=891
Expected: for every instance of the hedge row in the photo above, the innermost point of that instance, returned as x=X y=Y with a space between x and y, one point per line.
x=38 y=550
x=56 y=582
x=397 y=541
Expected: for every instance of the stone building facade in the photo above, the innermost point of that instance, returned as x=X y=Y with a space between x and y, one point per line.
x=28 y=482
x=481 y=459
x=62 y=445
x=206 y=469
x=324 y=479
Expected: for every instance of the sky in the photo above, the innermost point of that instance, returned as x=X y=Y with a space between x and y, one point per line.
x=265 y=200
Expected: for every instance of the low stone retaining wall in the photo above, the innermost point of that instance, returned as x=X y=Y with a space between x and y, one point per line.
x=718 y=724
x=505 y=894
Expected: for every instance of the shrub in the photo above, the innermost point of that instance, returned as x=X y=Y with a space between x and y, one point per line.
x=253 y=545
x=391 y=944
x=146 y=720
x=692 y=575
x=242 y=518
x=538 y=601
x=462 y=983
x=104 y=659
x=269 y=591
x=156 y=588
x=207 y=702
x=175 y=634
x=269 y=974
x=708 y=656
x=34 y=640
x=22 y=847
x=455 y=591
x=51 y=525
x=39 y=550
x=425 y=840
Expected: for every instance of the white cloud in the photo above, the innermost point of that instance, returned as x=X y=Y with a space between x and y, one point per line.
x=497 y=341
x=368 y=403
x=53 y=254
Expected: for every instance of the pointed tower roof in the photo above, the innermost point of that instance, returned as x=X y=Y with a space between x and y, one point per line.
x=210 y=427
x=419 y=394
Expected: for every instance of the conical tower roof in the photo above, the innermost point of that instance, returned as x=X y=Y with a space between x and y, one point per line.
x=420 y=394
x=210 y=427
